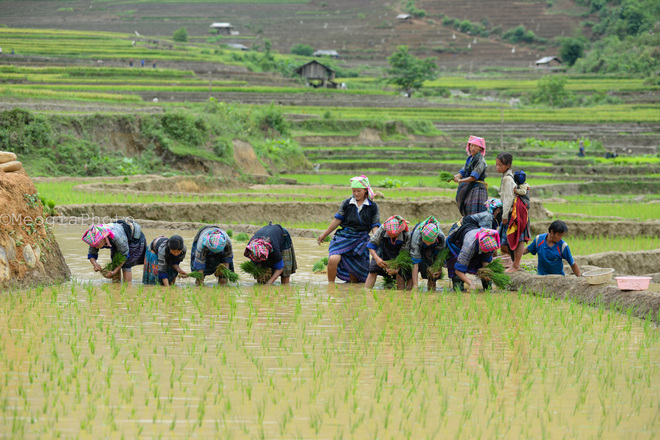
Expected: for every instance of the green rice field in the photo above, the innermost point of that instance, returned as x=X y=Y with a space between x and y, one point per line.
x=306 y=362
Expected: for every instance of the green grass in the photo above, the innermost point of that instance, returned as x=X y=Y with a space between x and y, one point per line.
x=633 y=211
x=598 y=244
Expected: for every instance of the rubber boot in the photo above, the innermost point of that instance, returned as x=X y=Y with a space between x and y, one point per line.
x=457 y=284
x=486 y=284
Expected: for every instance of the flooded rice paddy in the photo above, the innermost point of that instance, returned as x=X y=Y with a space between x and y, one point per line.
x=314 y=361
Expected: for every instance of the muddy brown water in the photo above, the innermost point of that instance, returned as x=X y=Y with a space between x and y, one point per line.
x=312 y=361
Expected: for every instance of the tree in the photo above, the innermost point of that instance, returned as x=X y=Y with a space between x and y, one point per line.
x=571 y=49
x=181 y=35
x=302 y=49
x=409 y=72
x=550 y=90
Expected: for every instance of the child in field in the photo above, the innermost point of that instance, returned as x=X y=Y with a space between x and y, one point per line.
x=125 y=237
x=163 y=259
x=552 y=250
x=427 y=242
x=271 y=247
x=515 y=207
x=357 y=215
x=472 y=191
x=211 y=247
x=391 y=238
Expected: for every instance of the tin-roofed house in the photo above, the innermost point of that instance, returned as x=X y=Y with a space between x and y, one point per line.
x=548 y=63
x=317 y=74
x=222 y=28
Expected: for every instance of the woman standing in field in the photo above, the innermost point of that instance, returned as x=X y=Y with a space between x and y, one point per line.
x=125 y=238
x=391 y=238
x=211 y=247
x=427 y=242
x=357 y=215
x=162 y=263
x=271 y=247
x=472 y=190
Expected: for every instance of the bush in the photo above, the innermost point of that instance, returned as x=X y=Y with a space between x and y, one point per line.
x=180 y=35
x=571 y=49
x=302 y=49
x=271 y=118
x=550 y=90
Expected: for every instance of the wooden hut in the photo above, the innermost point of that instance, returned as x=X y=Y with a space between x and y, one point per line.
x=317 y=74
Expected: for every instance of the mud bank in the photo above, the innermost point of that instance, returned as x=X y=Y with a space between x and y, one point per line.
x=601 y=228
x=29 y=253
x=643 y=304
x=443 y=208
x=624 y=263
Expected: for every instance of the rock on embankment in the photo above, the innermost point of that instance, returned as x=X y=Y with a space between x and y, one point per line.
x=443 y=208
x=29 y=254
x=643 y=304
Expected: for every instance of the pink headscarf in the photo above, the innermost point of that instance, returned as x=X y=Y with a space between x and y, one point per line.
x=480 y=142
x=257 y=250
x=395 y=225
x=96 y=234
x=489 y=240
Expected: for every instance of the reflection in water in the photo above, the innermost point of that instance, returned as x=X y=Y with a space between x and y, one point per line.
x=317 y=361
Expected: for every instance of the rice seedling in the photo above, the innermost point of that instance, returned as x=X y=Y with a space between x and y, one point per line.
x=320 y=266
x=242 y=237
x=117 y=260
x=438 y=264
x=198 y=275
x=260 y=273
x=225 y=272
x=403 y=262
x=446 y=176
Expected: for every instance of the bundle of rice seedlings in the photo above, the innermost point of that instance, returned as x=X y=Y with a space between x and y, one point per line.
x=438 y=264
x=501 y=280
x=496 y=266
x=242 y=237
x=321 y=266
x=389 y=283
x=261 y=274
x=198 y=275
x=403 y=262
x=117 y=261
x=446 y=176
x=225 y=272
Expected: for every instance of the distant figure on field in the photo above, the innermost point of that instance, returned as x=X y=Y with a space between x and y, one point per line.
x=581 y=152
x=154 y=64
x=552 y=250
x=130 y=62
x=142 y=63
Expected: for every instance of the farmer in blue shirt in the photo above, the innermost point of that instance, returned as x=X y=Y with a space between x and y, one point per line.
x=552 y=250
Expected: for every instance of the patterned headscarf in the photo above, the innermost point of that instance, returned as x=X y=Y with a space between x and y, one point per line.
x=481 y=142
x=257 y=250
x=430 y=230
x=215 y=241
x=489 y=240
x=493 y=204
x=362 y=182
x=96 y=234
x=395 y=225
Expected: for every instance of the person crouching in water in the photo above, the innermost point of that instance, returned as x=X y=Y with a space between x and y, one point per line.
x=357 y=215
x=211 y=247
x=121 y=237
x=271 y=247
x=427 y=242
x=471 y=248
x=391 y=238
x=162 y=264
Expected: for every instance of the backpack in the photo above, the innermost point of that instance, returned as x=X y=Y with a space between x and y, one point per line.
x=132 y=230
